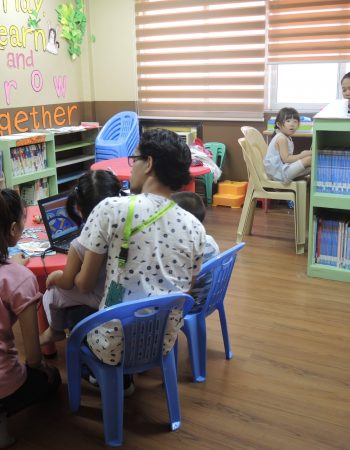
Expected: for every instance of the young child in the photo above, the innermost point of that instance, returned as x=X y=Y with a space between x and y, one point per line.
x=62 y=295
x=20 y=384
x=280 y=163
x=345 y=86
x=192 y=202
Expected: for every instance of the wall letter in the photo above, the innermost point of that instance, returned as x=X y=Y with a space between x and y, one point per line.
x=70 y=112
x=60 y=85
x=7 y=123
x=37 y=81
x=3 y=33
x=18 y=120
x=7 y=86
x=58 y=113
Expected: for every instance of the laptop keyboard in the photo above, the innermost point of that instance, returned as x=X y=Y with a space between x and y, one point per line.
x=65 y=243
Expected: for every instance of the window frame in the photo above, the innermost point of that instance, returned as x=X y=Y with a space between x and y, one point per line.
x=271 y=103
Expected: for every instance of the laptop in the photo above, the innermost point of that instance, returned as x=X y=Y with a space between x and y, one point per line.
x=60 y=228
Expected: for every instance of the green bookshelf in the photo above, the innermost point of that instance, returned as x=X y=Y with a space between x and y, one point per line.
x=30 y=173
x=328 y=134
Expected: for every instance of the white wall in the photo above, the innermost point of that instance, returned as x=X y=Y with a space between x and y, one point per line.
x=113 y=55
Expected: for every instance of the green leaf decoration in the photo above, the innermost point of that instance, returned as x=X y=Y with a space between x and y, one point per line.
x=33 y=20
x=93 y=38
x=73 y=21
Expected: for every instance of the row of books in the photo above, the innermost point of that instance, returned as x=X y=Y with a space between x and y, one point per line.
x=32 y=192
x=1 y=170
x=333 y=171
x=333 y=242
x=28 y=159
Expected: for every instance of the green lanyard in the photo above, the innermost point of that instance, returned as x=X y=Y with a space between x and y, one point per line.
x=128 y=231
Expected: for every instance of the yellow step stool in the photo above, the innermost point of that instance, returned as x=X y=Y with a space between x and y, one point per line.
x=230 y=193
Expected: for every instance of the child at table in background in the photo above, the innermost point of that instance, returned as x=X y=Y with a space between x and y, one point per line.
x=345 y=86
x=280 y=163
x=61 y=294
x=20 y=384
x=192 y=202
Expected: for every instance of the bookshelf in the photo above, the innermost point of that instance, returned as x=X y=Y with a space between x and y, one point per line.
x=2 y=177
x=75 y=152
x=329 y=232
x=29 y=164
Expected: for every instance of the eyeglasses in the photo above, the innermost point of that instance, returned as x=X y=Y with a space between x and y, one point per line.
x=133 y=158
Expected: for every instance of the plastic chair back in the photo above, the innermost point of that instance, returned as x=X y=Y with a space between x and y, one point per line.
x=254 y=163
x=119 y=136
x=255 y=140
x=260 y=186
x=218 y=150
x=220 y=270
x=144 y=325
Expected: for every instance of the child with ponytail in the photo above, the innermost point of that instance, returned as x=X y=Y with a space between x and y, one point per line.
x=62 y=294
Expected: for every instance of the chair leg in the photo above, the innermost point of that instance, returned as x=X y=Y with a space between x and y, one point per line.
x=245 y=214
x=224 y=331
x=111 y=384
x=5 y=439
x=209 y=179
x=195 y=331
x=171 y=390
x=300 y=206
x=250 y=219
x=74 y=384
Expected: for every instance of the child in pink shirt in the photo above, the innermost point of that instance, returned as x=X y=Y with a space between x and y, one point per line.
x=20 y=384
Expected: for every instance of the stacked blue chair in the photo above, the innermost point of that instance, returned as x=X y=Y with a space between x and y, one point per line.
x=144 y=332
x=119 y=136
x=219 y=270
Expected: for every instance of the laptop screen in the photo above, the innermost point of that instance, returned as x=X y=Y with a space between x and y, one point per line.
x=57 y=218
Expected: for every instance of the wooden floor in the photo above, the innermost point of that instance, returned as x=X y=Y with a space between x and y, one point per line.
x=287 y=387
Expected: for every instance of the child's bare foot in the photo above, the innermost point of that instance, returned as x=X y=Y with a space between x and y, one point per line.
x=50 y=335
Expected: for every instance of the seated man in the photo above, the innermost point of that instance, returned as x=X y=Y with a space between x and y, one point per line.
x=161 y=256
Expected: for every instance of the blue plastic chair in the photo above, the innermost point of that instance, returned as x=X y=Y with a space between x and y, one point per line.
x=119 y=136
x=143 y=342
x=218 y=151
x=219 y=269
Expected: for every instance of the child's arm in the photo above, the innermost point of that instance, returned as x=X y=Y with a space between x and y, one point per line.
x=30 y=335
x=282 y=146
x=64 y=279
x=86 y=279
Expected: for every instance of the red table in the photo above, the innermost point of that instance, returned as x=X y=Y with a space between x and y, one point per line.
x=40 y=268
x=121 y=168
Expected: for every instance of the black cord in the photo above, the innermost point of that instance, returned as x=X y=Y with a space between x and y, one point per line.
x=42 y=256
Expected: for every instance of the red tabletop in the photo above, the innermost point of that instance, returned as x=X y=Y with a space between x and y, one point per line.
x=40 y=268
x=36 y=263
x=121 y=168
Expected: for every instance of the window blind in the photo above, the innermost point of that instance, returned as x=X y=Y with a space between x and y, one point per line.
x=308 y=31
x=200 y=59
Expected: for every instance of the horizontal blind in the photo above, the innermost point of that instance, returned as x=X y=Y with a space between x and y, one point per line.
x=308 y=31
x=200 y=59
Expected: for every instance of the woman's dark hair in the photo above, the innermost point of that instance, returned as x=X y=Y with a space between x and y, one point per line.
x=347 y=75
x=90 y=190
x=285 y=114
x=11 y=207
x=171 y=157
x=191 y=202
